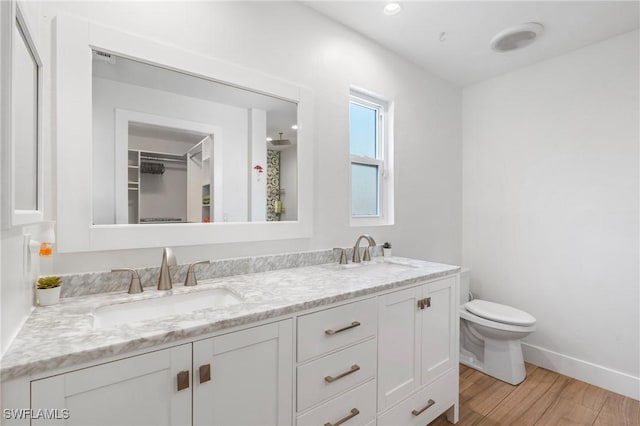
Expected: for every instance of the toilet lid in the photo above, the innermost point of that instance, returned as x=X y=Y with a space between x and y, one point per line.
x=499 y=313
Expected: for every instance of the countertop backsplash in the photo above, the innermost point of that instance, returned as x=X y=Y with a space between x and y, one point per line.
x=88 y=283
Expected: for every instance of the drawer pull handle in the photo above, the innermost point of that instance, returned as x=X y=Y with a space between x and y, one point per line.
x=205 y=373
x=332 y=332
x=353 y=369
x=418 y=412
x=354 y=412
x=183 y=380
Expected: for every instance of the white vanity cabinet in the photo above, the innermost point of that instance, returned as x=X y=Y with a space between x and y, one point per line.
x=390 y=358
x=417 y=335
x=244 y=378
x=140 y=390
x=240 y=378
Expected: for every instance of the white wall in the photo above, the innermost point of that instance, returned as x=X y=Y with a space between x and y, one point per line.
x=292 y=42
x=164 y=195
x=15 y=292
x=16 y=283
x=550 y=206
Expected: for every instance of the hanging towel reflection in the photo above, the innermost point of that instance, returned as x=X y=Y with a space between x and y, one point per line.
x=152 y=168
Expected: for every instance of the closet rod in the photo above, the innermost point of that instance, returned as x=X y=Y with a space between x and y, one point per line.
x=162 y=160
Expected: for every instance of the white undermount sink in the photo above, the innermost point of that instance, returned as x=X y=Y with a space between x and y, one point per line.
x=175 y=304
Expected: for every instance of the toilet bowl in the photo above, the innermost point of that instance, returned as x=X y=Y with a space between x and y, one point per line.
x=490 y=335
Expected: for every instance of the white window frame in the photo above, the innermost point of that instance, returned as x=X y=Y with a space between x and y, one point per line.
x=383 y=160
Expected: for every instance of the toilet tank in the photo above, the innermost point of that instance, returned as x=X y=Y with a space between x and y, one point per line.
x=465 y=278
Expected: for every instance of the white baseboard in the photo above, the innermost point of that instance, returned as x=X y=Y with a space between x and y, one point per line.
x=597 y=375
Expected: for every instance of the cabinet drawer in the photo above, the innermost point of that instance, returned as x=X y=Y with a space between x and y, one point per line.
x=358 y=405
x=334 y=328
x=440 y=395
x=332 y=374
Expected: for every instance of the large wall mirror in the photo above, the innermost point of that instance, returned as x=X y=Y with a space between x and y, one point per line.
x=169 y=147
x=161 y=146
x=21 y=120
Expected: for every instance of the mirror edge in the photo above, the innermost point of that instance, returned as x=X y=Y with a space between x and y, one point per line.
x=11 y=12
x=74 y=40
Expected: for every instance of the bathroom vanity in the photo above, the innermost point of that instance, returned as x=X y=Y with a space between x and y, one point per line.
x=357 y=344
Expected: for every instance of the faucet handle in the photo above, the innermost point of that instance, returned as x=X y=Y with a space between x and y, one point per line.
x=135 y=286
x=343 y=257
x=191 y=273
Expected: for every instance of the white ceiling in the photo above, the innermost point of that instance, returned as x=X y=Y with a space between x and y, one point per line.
x=464 y=57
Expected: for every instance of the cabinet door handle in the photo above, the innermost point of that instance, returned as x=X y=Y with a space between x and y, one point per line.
x=354 y=412
x=353 y=369
x=205 y=373
x=332 y=332
x=183 y=380
x=418 y=412
x=424 y=302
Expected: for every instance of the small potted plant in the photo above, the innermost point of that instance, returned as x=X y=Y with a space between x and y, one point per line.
x=48 y=290
x=386 y=249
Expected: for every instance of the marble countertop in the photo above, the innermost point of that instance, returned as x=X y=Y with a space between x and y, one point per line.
x=63 y=335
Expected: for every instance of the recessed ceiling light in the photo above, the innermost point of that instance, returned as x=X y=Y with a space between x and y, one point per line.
x=392 y=8
x=516 y=37
x=269 y=139
x=294 y=127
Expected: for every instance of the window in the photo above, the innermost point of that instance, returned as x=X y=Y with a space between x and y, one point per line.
x=371 y=166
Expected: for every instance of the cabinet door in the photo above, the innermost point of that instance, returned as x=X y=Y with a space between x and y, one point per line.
x=140 y=390
x=398 y=346
x=438 y=329
x=250 y=378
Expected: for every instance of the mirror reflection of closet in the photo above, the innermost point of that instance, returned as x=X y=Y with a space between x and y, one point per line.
x=21 y=123
x=169 y=175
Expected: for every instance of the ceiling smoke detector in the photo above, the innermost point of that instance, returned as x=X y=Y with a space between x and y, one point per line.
x=516 y=37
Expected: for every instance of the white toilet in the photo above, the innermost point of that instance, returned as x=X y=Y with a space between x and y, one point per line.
x=490 y=335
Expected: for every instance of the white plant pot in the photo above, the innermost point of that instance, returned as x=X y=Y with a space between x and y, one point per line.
x=386 y=252
x=48 y=296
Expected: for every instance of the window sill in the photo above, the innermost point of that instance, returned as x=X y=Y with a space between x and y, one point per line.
x=369 y=221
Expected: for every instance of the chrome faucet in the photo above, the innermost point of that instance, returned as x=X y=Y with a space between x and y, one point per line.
x=168 y=259
x=356 y=249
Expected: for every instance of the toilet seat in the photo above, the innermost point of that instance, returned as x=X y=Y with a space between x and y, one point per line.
x=468 y=316
x=499 y=313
